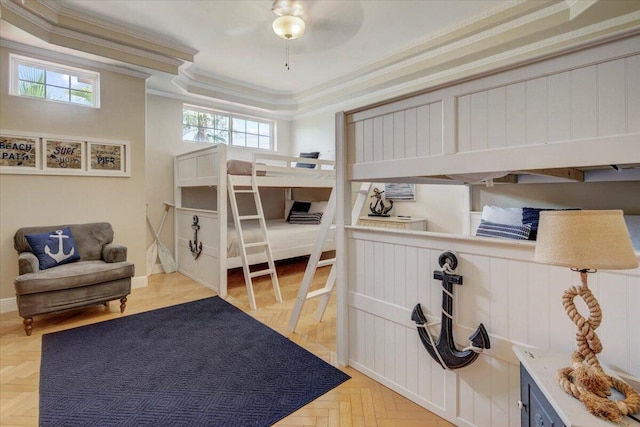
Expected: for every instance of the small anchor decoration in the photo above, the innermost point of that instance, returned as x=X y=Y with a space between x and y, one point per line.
x=60 y=255
x=196 y=249
x=378 y=207
x=444 y=349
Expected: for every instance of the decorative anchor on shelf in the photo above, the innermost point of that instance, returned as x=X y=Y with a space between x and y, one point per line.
x=378 y=207
x=444 y=349
x=196 y=249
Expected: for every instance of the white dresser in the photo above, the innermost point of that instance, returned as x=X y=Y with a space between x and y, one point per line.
x=400 y=223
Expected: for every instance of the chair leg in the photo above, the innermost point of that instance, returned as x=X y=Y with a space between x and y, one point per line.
x=123 y=304
x=28 y=328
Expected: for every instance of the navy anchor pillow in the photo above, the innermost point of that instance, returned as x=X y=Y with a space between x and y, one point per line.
x=54 y=248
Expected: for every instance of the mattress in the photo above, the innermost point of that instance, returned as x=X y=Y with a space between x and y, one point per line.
x=281 y=235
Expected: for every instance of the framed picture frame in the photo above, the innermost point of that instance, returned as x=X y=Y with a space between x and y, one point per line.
x=63 y=156
x=19 y=153
x=108 y=158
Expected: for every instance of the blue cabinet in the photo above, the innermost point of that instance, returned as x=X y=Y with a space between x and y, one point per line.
x=536 y=411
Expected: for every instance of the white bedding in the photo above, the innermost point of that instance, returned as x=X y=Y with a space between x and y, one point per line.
x=281 y=235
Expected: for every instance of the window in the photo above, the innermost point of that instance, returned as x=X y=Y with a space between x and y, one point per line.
x=54 y=82
x=200 y=125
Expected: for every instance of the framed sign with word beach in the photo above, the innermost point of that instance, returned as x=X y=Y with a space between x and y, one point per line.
x=19 y=154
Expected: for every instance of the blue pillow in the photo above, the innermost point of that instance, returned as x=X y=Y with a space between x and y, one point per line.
x=54 y=248
x=506 y=231
x=305 y=217
x=531 y=216
x=311 y=155
x=299 y=207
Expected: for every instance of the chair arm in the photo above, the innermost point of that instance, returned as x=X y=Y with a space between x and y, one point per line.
x=114 y=253
x=28 y=263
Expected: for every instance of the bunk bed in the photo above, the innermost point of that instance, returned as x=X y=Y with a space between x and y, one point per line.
x=202 y=207
x=566 y=118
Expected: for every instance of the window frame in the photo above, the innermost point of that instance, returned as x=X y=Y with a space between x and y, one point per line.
x=230 y=117
x=16 y=61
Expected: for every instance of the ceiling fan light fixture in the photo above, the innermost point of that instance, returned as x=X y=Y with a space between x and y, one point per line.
x=289 y=27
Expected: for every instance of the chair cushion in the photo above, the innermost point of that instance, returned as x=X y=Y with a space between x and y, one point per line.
x=77 y=274
x=53 y=249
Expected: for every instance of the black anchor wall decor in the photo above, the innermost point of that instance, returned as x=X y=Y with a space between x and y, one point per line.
x=195 y=247
x=444 y=349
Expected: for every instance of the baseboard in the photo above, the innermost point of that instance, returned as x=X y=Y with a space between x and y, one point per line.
x=139 y=282
x=10 y=304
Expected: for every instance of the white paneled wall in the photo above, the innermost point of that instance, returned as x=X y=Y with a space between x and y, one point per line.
x=517 y=300
x=581 y=109
x=587 y=102
x=414 y=132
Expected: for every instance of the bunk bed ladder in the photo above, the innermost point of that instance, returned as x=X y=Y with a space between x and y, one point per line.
x=314 y=259
x=264 y=244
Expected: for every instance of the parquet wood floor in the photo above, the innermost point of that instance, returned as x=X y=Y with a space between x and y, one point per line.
x=359 y=401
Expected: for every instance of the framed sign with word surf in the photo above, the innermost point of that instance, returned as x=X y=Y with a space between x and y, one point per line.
x=63 y=155
x=46 y=154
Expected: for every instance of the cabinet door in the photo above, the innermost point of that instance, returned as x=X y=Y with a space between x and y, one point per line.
x=536 y=411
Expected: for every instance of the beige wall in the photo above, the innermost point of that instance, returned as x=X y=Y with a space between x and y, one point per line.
x=50 y=200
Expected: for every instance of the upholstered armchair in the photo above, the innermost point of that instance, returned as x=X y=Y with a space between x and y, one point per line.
x=69 y=266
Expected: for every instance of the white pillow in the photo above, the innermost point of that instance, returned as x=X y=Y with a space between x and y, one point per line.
x=498 y=215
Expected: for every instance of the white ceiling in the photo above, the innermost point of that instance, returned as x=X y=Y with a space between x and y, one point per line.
x=235 y=40
x=226 y=52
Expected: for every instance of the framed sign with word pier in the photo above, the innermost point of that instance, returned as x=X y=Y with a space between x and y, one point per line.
x=45 y=154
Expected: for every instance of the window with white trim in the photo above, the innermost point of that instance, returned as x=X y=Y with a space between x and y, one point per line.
x=202 y=125
x=35 y=78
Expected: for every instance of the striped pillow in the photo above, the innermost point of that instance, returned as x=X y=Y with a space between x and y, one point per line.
x=505 y=231
x=305 y=217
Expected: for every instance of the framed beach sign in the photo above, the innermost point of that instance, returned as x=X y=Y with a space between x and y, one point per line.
x=19 y=154
x=47 y=154
x=108 y=158
x=63 y=156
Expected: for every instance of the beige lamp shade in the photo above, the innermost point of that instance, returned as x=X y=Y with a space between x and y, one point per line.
x=586 y=239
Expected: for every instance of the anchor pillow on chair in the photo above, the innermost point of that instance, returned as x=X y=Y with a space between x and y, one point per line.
x=54 y=248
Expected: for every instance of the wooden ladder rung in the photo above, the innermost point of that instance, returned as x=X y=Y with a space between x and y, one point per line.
x=245 y=217
x=244 y=191
x=318 y=292
x=325 y=262
x=260 y=273
x=255 y=244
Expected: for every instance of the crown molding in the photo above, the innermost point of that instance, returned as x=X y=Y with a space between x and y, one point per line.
x=514 y=33
x=46 y=21
x=49 y=55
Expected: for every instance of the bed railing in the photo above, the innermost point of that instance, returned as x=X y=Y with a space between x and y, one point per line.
x=279 y=165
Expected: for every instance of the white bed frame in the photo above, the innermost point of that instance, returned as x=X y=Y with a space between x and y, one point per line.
x=579 y=109
x=207 y=168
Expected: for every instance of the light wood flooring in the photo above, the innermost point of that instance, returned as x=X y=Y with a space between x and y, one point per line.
x=359 y=401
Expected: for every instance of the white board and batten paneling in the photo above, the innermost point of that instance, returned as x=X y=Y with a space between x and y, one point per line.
x=580 y=109
x=555 y=113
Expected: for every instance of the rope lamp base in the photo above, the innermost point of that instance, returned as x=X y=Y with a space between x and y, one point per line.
x=585 y=378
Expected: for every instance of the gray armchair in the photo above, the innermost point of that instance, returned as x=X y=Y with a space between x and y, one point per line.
x=101 y=274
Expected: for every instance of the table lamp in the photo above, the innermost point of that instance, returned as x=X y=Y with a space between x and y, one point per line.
x=585 y=241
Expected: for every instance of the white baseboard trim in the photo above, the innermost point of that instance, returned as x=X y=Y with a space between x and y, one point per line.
x=139 y=282
x=10 y=304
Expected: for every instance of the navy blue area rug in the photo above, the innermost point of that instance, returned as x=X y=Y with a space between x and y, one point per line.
x=203 y=363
